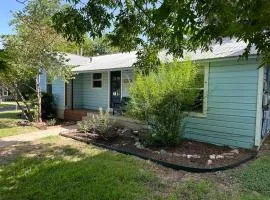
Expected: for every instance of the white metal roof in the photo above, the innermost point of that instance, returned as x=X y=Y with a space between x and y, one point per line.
x=230 y=48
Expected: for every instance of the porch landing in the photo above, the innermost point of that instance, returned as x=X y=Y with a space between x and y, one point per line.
x=76 y=114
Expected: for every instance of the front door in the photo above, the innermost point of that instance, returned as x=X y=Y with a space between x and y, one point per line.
x=115 y=88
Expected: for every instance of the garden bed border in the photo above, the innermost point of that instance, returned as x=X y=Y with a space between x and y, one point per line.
x=163 y=163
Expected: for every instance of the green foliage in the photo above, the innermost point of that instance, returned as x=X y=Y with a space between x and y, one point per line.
x=200 y=190
x=51 y=122
x=85 y=125
x=256 y=176
x=33 y=49
x=70 y=170
x=147 y=60
x=88 y=47
x=100 y=124
x=161 y=98
x=172 y=25
x=47 y=106
x=9 y=124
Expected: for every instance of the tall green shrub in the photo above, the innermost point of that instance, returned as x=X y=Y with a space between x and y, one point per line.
x=162 y=97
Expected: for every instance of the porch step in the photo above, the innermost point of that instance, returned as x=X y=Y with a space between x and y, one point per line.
x=74 y=115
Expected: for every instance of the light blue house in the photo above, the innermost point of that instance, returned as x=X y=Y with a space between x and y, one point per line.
x=236 y=93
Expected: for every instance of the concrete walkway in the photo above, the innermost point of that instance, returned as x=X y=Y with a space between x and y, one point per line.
x=28 y=137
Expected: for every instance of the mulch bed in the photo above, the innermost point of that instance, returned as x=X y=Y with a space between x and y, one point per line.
x=189 y=154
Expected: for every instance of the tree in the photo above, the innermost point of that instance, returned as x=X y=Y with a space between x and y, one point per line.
x=32 y=50
x=169 y=24
x=88 y=47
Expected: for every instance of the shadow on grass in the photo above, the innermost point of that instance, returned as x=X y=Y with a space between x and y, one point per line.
x=46 y=171
x=10 y=115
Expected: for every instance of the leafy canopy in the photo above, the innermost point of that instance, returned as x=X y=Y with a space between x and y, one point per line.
x=170 y=24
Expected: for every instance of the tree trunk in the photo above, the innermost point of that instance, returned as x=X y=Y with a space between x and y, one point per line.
x=38 y=91
x=26 y=112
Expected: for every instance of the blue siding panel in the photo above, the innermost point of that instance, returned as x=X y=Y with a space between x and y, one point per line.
x=58 y=90
x=231 y=110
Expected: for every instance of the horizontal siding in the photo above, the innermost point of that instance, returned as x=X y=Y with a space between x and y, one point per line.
x=231 y=111
x=94 y=98
x=58 y=90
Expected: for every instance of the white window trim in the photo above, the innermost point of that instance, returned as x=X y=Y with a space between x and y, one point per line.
x=92 y=81
x=5 y=92
x=259 y=108
x=205 y=95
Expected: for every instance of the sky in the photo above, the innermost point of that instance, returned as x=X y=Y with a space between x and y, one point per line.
x=6 y=9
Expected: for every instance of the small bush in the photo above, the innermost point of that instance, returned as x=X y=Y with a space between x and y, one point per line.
x=51 y=122
x=100 y=124
x=47 y=106
x=84 y=125
x=162 y=97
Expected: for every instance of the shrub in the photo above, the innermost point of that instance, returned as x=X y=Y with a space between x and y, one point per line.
x=47 y=106
x=84 y=125
x=162 y=97
x=51 y=122
x=100 y=124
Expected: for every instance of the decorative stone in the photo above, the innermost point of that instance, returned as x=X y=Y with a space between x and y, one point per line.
x=135 y=132
x=212 y=157
x=162 y=151
x=176 y=154
x=189 y=156
x=138 y=145
x=196 y=156
x=209 y=162
x=184 y=155
x=219 y=157
x=228 y=154
x=236 y=151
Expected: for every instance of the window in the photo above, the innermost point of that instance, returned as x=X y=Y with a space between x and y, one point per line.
x=97 y=80
x=5 y=92
x=199 y=107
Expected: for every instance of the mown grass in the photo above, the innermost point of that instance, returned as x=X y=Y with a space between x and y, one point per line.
x=60 y=168
x=8 y=124
x=255 y=179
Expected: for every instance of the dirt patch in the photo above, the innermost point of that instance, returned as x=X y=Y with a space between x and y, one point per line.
x=191 y=154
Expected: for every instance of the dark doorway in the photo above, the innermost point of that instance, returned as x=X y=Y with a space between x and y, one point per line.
x=115 y=96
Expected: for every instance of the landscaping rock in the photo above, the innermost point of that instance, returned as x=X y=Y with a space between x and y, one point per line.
x=236 y=151
x=228 y=154
x=219 y=157
x=193 y=156
x=196 y=156
x=136 y=133
x=162 y=151
x=139 y=145
x=212 y=157
x=209 y=162
x=177 y=155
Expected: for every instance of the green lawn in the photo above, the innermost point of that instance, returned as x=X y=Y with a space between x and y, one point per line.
x=60 y=168
x=7 y=104
x=8 y=124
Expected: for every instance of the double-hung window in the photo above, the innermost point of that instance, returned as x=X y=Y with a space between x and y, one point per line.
x=199 y=107
x=97 y=80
